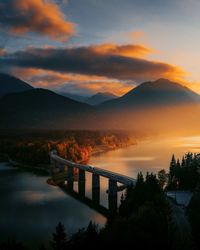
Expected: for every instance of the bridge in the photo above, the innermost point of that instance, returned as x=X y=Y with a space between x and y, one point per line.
x=62 y=172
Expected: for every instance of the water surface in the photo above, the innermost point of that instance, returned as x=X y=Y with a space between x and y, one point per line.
x=30 y=208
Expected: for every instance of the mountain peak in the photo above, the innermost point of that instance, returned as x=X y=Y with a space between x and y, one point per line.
x=100 y=97
x=155 y=93
x=163 y=80
x=11 y=84
x=162 y=86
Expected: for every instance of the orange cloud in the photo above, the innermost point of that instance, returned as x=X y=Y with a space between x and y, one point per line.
x=2 y=51
x=116 y=87
x=38 y=16
x=135 y=35
x=127 y=50
x=194 y=86
x=72 y=82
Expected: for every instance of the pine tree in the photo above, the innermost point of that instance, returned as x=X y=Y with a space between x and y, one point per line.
x=140 y=178
x=59 y=238
x=172 y=169
x=183 y=162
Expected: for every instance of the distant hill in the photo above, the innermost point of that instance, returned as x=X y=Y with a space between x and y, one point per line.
x=150 y=94
x=74 y=97
x=95 y=99
x=41 y=108
x=11 y=84
x=100 y=98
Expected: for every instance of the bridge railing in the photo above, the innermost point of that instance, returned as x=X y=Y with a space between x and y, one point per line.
x=101 y=172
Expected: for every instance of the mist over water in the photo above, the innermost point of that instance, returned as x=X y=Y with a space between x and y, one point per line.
x=150 y=154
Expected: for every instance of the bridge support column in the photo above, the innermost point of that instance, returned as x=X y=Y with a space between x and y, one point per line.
x=95 y=188
x=53 y=167
x=61 y=167
x=112 y=196
x=81 y=182
x=70 y=177
x=70 y=172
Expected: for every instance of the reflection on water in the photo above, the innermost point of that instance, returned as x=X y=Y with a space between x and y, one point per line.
x=150 y=155
x=30 y=208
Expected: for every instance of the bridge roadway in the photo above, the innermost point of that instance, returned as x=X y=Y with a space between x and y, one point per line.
x=127 y=181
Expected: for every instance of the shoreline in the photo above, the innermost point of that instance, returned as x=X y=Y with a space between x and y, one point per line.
x=101 y=149
x=98 y=150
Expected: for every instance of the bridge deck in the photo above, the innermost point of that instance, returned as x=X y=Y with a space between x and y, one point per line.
x=101 y=172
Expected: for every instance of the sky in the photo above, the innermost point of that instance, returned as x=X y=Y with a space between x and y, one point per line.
x=90 y=46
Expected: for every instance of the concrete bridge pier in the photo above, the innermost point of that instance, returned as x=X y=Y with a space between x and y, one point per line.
x=61 y=167
x=70 y=172
x=112 y=196
x=70 y=177
x=81 y=182
x=96 y=188
x=53 y=166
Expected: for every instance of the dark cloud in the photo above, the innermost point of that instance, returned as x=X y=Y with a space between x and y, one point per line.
x=86 y=60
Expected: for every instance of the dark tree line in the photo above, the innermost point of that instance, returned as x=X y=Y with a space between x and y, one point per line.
x=33 y=148
x=184 y=174
x=194 y=217
x=141 y=223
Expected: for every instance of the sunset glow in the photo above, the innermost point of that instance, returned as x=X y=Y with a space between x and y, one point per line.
x=117 y=57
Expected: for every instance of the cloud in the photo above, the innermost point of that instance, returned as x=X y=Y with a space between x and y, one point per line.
x=72 y=83
x=193 y=85
x=43 y=17
x=136 y=35
x=89 y=61
x=128 y=50
x=2 y=51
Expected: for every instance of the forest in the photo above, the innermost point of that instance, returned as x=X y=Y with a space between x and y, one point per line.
x=33 y=148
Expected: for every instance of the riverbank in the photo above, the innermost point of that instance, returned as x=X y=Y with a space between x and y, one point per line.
x=101 y=149
x=31 y=150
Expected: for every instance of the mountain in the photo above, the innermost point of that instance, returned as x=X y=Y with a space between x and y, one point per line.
x=100 y=97
x=96 y=99
x=41 y=108
x=161 y=106
x=74 y=97
x=11 y=84
x=154 y=94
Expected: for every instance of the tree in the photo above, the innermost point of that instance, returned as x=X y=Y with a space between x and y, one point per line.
x=60 y=240
x=12 y=244
x=172 y=166
x=162 y=178
x=92 y=231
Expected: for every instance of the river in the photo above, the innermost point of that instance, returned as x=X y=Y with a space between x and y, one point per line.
x=30 y=208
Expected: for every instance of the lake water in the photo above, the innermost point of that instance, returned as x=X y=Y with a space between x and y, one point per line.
x=30 y=208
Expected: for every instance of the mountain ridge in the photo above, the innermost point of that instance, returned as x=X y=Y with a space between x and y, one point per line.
x=40 y=108
x=100 y=97
x=159 y=92
x=10 y=84
x=43 y=108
